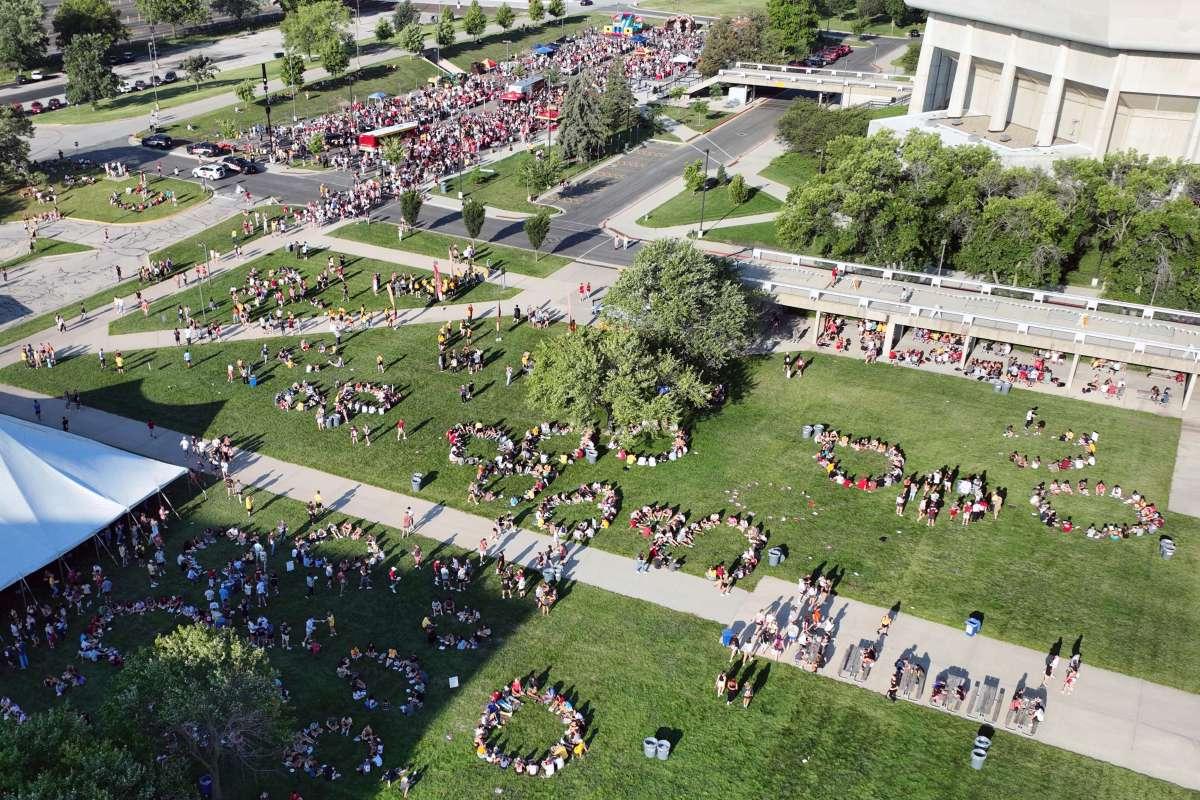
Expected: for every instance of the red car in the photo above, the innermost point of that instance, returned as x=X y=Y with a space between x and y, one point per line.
x=36 y=107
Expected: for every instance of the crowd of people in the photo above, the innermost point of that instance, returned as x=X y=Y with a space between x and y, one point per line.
x=603 y=496
x=514 y=457
x=665 y=529
x=1147 y=518
x=505 y=702
x=470 y=618
x=827 y=458
x=349 y=669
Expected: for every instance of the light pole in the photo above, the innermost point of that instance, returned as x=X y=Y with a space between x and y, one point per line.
x=152 y=47
x=357 y=45
x=200 y=280
x=942 y=257
x=703 y=191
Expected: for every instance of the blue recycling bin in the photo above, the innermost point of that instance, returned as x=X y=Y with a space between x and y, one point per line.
x=973 y=625
x=206 y=786
x=253 y=381
x=726 y=637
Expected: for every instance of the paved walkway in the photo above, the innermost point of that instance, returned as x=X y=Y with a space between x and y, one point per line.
x=1127 y=721
x=41 y=285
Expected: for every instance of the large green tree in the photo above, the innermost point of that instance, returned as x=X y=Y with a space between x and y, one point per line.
x=538 y=172
x=807 y=127
x=618 y=106
x=505 y=16
x=474 y=21
x=412 y=39
x=1158 y=259
x=23 y=37
x=581 y=128
x=73 y=17
x=198 y=68
x=172 y=12
x=405 y=14
x=445 y=33
x=537 y=228
x=536 y=10
x=208 y=692
x=678 y=299
x=313 y=25
x=15 y=132
x=238 y=9
x=1016 y=239
x=89 y=78
x=473 y=215
x=795 y=25
x=731 y=40
x=59 y=755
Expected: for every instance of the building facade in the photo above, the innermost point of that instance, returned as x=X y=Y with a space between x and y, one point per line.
x=1067 y=76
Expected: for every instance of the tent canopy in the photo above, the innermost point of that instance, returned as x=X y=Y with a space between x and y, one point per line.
x=58 y=489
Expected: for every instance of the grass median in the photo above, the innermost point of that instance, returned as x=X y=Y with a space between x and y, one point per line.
x=437 y=245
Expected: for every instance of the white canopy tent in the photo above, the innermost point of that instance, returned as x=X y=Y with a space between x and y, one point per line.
x=58 y=489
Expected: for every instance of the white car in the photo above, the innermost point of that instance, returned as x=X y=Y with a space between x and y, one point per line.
x=37 y=75
x=124 y=87
x=211 y=171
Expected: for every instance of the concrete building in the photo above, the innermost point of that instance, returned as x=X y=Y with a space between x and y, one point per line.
x=1041 y=79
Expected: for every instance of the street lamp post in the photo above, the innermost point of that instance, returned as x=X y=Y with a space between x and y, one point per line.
x=357 y=44
x=942 y=257
x=703 y=192
x=152 y=47
x=200 y=280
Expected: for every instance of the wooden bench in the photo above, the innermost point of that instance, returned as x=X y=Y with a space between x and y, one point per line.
x=953 y=701
x=912 y=682
x=986 y=697
x=851 y=662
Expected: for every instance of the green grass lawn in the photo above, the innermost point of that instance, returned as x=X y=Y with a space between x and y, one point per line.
x=497 y=184
x=46 y=246
x=754 y=234
x=684 y=208
x=702 y=122
x=437 y=245
x=791 y=169
x=634 y=670
x=135 y=104
x=1138 y=614
x=163 y=313
x=220 y=237
x=498 y=46
x=395 y=76
x=91 y=201
x=706 y=8
x=881 y=25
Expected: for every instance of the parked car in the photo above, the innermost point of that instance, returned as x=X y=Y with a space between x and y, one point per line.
x=815 y=61
x=207 y=149
x=585 y=2
x=914 y=34
x=22 y=79
x=37 y=75
x=170 y=76
x=155 y=80
x=54 y=104
x=213 y=172
x=139 y=85
x=36 y=107
x=240 y=164
x=158 y=140
x=127 y=57
x=124 y=87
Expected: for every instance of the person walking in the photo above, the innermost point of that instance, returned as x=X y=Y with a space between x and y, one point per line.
x=407 y=523
x=400 y=433
x=150 y=426
x=37 y=410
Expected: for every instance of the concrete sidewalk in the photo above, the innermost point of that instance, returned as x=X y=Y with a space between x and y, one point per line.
x=1129 y=722
x=1126 y=721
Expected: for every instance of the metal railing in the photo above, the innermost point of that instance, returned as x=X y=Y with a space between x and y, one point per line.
x=885 y=77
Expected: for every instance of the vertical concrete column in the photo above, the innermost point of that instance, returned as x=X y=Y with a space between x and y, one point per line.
x=816 y=328
x=1074 y=366
x=1192 y=150
x=1191 y=386
x=1109 y=114
x=921 y=80
x=1003 y=99
x=1054 y=96
x=889 y=335
x=962 y=75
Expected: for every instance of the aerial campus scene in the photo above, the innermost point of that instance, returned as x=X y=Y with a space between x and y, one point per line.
x=579 y=399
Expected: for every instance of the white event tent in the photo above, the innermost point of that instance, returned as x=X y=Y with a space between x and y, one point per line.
x=57 y=490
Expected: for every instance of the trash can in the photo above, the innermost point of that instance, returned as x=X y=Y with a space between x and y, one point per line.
x=973 y=625
x=664 y=749
x=650 y=746
x=1005 y=387
x=978 y=756
x=807 y=431
x=253 y=381
x=1166 y=547
x=982 y=743
x=205 y=786
x=590 y=455
x=548 y=575
x=416 y=481
x=726 y=637
x=774 y=557
x=818 y=429
x=998 y=386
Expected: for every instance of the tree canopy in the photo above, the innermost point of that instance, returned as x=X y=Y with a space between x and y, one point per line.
x=73 y=17
x=15 y=132
x=210 y=692
x=59 y=754
x=794 y=25
x=730 y=40
x=807 y=127
x=581 y=127
x=172 y=12
x=89 y=79
x=313 y=25
x=238 y=9
x=23 y=39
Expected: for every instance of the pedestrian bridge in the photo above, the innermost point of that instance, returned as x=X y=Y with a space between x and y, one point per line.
x=851 y=88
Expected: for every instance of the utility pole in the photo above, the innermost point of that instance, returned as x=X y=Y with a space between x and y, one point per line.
x=703 y=192
x=267 y=107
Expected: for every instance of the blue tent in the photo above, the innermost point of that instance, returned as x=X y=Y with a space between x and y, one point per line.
x=546 y=49
x=377 y=96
